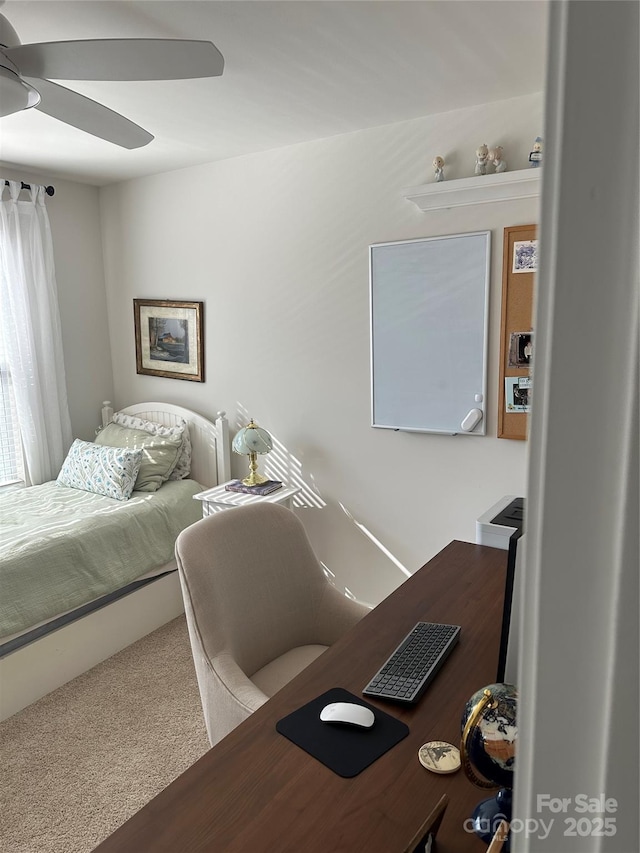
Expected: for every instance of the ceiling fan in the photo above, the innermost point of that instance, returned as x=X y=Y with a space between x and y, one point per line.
x=26 y=71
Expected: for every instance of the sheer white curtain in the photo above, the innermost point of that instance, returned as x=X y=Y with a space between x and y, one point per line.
x=30 y=326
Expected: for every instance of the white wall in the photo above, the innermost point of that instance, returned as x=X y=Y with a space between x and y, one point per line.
x=276 y=245
x=75 y=226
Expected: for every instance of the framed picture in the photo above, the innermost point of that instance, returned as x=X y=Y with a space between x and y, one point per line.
x=525 y=256
x=169 y=340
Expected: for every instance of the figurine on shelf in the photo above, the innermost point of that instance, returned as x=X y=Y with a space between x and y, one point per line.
x=438 y=168
x=482 y=156
x=496 y=156
x=535 y=156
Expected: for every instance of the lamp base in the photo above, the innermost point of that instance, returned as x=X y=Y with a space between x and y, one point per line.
x=488 y=814
x=254 y=480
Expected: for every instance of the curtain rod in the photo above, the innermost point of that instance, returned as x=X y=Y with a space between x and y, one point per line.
x=48 y=190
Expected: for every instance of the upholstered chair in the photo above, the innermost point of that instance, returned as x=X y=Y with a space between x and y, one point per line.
x=259 y=608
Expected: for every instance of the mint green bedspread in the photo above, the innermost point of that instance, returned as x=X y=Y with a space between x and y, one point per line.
x=61 y=547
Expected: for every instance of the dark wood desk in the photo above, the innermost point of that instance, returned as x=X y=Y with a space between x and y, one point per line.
x=256 y=792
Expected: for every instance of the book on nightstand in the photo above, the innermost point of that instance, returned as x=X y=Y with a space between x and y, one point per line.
x=261 y=489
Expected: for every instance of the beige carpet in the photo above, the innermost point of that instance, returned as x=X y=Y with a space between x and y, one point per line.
x=80 y=761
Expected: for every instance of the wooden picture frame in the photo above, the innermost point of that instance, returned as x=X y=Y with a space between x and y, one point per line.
x=169 y=338
x=517 y=337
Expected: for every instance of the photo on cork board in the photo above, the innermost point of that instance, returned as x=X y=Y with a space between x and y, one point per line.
x=525 y=256
x=517 y=393
x=520 y=349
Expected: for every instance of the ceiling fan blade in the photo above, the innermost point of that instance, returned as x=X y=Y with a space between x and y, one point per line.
x=118 y=59
x=90 y=116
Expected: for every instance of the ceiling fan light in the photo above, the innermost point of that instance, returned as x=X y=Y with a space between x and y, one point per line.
x=15 y=94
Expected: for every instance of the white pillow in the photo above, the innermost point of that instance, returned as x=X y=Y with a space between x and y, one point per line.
x=108 y=471
x=183 y=465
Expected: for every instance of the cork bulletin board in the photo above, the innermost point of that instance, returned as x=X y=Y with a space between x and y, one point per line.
x=519 y=265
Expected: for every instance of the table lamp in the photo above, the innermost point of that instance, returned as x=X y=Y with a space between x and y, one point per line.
x=250 y=441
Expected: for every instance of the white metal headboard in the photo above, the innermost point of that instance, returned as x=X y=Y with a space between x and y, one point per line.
x=210 y=459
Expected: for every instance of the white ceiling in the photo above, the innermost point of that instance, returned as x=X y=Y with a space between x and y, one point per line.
x=295 y=70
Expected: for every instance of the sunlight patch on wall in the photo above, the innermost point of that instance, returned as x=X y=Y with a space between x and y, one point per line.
x=375 y=541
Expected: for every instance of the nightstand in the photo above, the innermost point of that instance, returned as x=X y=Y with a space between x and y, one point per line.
x=219 y=498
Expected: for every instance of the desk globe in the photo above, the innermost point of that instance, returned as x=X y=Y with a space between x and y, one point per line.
x=488 y=747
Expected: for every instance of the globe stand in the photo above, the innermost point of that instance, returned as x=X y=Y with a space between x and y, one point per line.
x=489 y=813
x=495 y=708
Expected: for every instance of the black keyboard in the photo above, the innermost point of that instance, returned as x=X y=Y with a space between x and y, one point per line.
x=414 y=664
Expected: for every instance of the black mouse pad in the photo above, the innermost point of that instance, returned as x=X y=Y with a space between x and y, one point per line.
x=345 y=749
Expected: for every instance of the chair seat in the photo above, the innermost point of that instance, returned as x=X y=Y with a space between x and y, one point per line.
x=278 y=672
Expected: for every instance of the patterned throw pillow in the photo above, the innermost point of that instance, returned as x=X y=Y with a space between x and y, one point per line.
x=108 y=471
x=183 y=465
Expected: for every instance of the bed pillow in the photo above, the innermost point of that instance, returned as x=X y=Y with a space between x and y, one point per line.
x=159 y=453
x=108 y=471
x=183 y=465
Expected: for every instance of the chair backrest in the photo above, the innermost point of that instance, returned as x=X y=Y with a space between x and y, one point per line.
x=254 y=583
x=425 y=837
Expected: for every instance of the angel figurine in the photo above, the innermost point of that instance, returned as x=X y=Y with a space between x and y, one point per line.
x=438 y=168
x=496 y=156
x=482 y=155
x=535 y=156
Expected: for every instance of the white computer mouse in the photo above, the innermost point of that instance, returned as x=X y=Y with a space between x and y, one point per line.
x=348 y=712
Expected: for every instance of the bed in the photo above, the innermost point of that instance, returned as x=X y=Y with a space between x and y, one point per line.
x=85 y=574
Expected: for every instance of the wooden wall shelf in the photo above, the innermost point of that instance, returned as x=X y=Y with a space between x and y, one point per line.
x=481 y=189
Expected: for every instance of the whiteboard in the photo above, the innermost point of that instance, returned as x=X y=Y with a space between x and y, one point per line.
x=429 y=320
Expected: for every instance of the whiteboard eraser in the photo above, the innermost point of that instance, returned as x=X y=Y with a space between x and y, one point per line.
x=472 y=420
